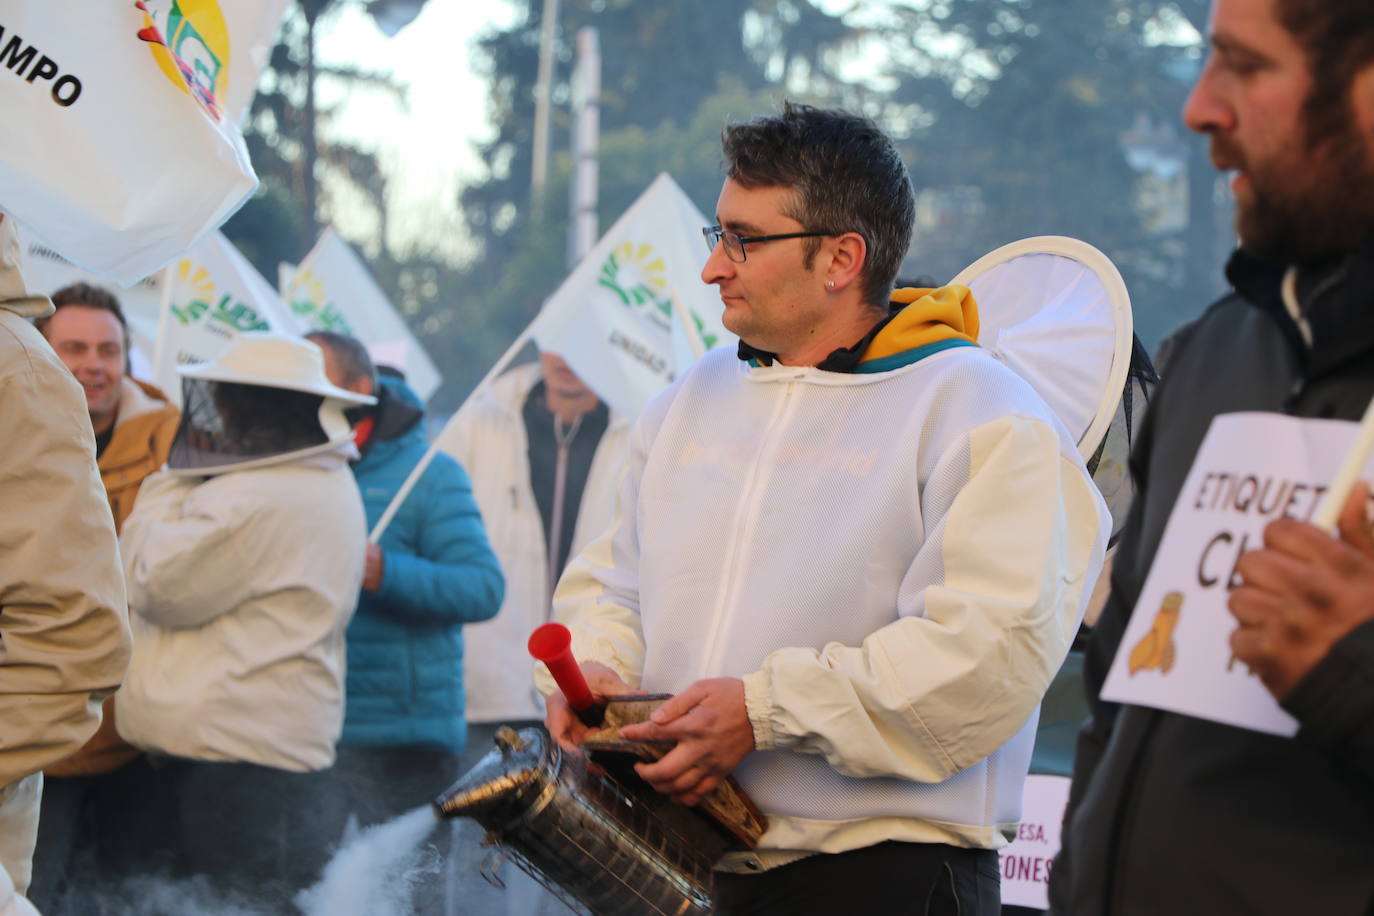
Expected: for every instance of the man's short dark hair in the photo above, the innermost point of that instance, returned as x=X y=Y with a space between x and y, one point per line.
x=352 y=356
x=87 y=296
x=847 y=177
x=1338 y=36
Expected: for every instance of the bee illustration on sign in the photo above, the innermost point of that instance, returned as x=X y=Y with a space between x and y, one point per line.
x=190 y=42
x=1156 y=648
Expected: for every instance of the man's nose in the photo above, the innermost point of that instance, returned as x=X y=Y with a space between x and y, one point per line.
x=1206 y=110
x=718 y=266
x=87 y=363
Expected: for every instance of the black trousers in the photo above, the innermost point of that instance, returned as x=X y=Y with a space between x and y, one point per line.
x=897 y=878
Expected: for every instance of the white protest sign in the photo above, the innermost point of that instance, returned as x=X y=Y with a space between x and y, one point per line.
x=210 y=296
x=1026 y=863
x=118 y=152
x=1250 y=469
x=332 y=290
x=615 y=318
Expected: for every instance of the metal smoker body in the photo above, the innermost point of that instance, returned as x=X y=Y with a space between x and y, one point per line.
x=612 y=845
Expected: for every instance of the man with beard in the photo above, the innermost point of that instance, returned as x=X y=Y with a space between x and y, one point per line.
x=1174 y=814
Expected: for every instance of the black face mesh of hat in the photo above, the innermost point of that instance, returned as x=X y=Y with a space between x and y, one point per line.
x=227 y=423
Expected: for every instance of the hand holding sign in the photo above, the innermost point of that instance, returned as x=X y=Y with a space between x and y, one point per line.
x=1302 y=593
x=1257 y=479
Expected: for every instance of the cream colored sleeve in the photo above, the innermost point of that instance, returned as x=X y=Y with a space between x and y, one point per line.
x=64 y=633
x=959 y=673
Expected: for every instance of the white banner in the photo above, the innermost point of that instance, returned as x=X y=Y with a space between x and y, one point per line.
x=333 y=290
x=615 y=318
x=1026 y=863
x=210 y=296
x=1250 y=469
x=118 y=150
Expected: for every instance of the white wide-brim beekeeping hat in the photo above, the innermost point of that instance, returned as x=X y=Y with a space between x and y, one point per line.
x=272 y=360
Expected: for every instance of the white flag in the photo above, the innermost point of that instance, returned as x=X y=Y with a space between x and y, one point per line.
x=628 y=316
x=210 y=296
x=333 y=290
x=119 y=151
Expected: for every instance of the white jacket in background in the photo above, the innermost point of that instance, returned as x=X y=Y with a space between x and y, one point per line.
x=240 y=588
x=895 y=563
x=488 y=439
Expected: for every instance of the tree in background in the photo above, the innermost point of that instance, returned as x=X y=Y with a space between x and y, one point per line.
x=302 y=164
x=1061 y=117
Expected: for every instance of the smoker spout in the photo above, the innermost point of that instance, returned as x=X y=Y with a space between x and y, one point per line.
x=498 y=780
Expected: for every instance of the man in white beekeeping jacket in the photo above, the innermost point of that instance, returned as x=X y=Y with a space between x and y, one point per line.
x=857 y=552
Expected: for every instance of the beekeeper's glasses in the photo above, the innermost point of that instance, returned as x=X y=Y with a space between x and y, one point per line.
x=734 y=242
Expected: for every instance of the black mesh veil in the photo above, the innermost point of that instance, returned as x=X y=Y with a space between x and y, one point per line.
x=227 y=424
x=1110 y=465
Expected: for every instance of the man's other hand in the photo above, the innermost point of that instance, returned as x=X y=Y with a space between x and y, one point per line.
x=1302 y=593
x=373 y=567
x=563 y=724
x=710 y=724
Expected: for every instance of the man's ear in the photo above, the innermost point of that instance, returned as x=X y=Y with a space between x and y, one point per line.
x=848 y=254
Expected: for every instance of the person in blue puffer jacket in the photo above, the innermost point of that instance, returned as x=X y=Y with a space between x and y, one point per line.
x=432 y=572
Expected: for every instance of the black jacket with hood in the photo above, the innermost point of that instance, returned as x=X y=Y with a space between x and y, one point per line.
x=1170 y=814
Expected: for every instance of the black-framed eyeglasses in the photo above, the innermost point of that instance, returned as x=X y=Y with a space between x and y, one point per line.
x=734 y=242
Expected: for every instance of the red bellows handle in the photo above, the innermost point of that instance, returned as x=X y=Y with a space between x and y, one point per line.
x=552 y=645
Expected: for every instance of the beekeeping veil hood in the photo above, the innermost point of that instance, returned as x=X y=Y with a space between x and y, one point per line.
x=264 y=400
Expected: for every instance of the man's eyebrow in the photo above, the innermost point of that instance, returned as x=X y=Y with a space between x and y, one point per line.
x=743 y=227
x=1228 y=45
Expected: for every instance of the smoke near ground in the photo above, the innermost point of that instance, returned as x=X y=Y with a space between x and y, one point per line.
x=374 y=873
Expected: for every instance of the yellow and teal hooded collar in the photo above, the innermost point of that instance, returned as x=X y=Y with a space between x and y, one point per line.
x=932 y=320
x=923 y=322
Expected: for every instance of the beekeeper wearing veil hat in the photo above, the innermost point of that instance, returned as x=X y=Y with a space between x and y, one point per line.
x=244 y=558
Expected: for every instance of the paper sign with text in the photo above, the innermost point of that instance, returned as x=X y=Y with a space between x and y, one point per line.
x=1026 y=862
x=1250 y=469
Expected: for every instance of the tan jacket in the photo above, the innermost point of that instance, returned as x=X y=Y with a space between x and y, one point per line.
x=64 y=633
x=143 y=434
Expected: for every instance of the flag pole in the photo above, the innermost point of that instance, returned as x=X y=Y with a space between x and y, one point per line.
x=688 y=328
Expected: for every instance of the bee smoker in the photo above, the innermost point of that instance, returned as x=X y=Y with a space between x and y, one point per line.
x=588 y=827
x=612 y=846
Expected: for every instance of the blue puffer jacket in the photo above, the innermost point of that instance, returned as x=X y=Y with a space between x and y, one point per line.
x=405 y=643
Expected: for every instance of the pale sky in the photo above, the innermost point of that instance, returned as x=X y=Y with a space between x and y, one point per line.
x=427 y=149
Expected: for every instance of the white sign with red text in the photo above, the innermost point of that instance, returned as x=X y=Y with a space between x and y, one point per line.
x=1250 y=469
x=1026 y=863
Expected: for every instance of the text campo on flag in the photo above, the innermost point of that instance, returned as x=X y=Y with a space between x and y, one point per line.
x=17 y=55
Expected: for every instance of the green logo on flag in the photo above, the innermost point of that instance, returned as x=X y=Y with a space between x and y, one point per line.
x=638 y=277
